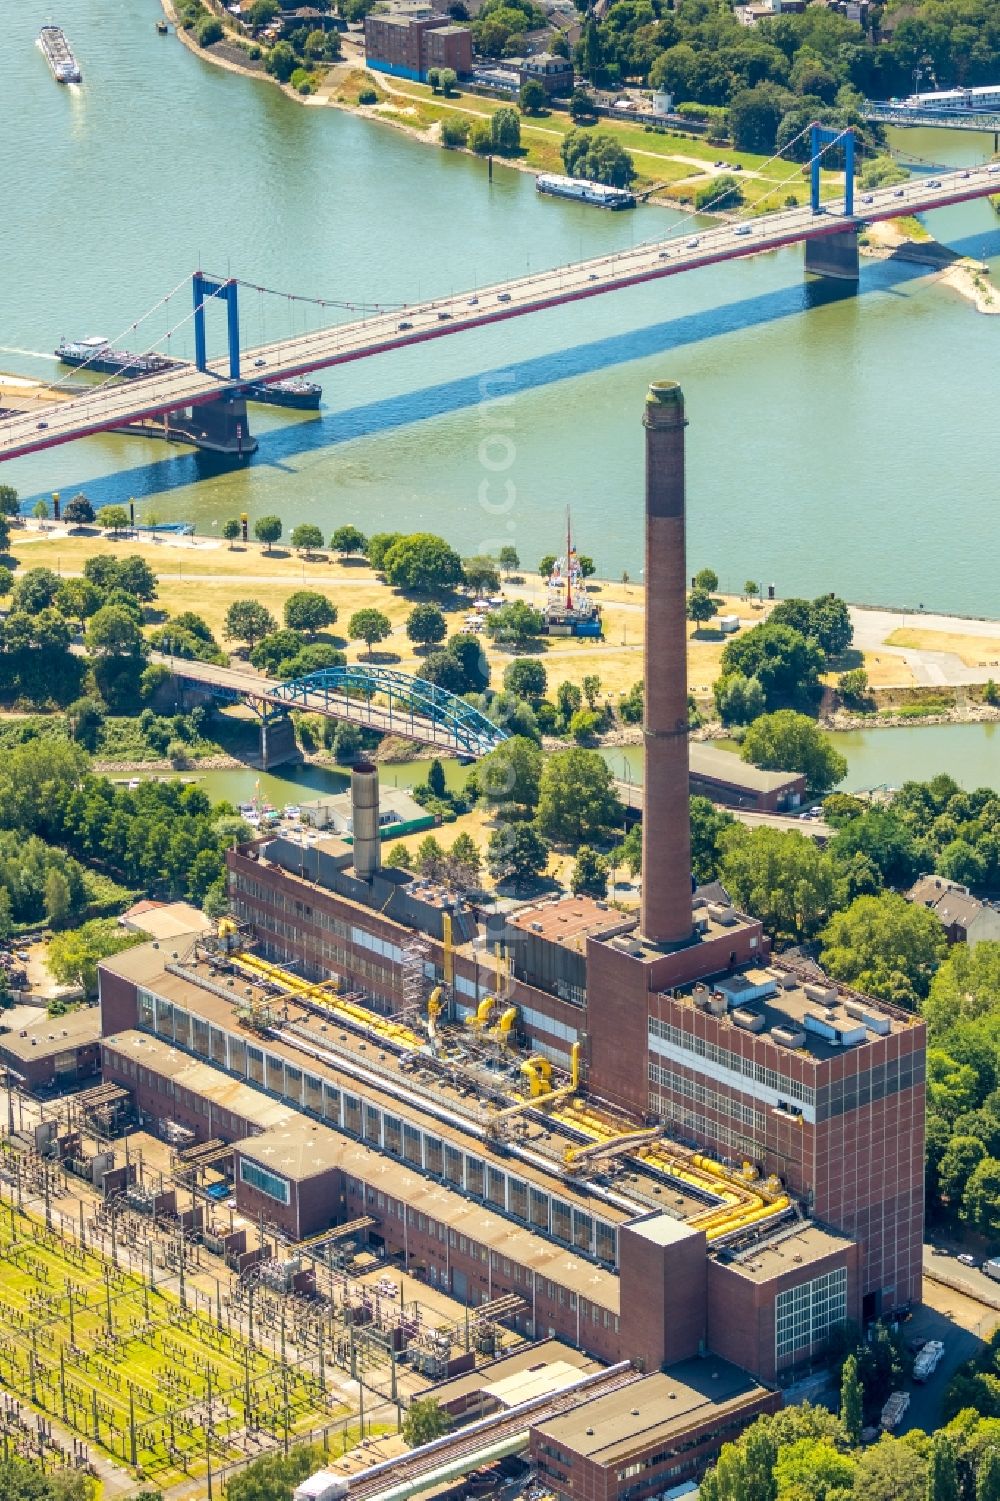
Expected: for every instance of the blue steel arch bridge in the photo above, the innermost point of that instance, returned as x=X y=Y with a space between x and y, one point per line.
x=367 y=695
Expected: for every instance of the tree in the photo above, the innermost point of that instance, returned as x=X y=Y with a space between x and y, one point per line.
x=532 y=99
x=738 y=700
x=112 y=632
x=510 y=774
x=274 y=1476
x=942 y=1470
x=884 y=946
x=965 y=988
x=598 y=157
x=231 y=529
x=347 y=541
x=882 y=837
x=306 y=538
x=707 y=579
x=505 y=129
x=546 y=565
x=981 y=1199
x=435 y=778
x=73 y=957
x=35 y=590
x=57 y=899
x=434 y=79
x=267 y=529
x=429 y=858
x=853 y=688
x=708 y=824
x=988 y=1476
x=447 y=79
x=890 y=1470
x=813 y=1467
x=209 y=32
x=481 y=575
x=426 y=625
x=754 y=117
x=463 y=861
x=84 y=719
x=577 y=799
x=958 y=1162
x=369 y=625
x=261 y=13
x=784 y=879
x=135 y=578
x=481 y=138
x=379 y=546
x=850 y=1401
x=40 y=510
x=787 y=741
x=455 y=131
x=526 y=678
x=590 y=873
x=785 y=663
x=113 y=519
x=724 y=191
x=281 y=63
x=701 y=606
x=10 y=504
x=516 y=623
x=751 y=588
x=78 y=510
x=508 y=559
x=399 y=858
x=516 y=852
x=248 y=620
x=581 y=106
x=308 y=611
x=425 y=1420
x=423 y=563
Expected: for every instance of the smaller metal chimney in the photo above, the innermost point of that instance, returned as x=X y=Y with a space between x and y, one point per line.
x=364 y=819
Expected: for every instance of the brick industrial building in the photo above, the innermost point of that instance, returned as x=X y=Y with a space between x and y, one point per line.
x=409 y=42
x=656 y=1135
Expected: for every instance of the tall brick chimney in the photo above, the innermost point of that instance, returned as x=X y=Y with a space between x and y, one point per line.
x=666 y=828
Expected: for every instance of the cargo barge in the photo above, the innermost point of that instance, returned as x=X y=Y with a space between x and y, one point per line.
x=98 y=355
x=59 y=55
x=583 y=191
x=304 y=395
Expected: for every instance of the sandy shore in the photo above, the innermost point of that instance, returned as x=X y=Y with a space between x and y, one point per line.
x=968 y=277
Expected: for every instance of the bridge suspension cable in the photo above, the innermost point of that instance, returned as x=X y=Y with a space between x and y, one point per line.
x=54 y=385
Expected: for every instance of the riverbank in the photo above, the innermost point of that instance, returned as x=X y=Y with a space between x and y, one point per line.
x=894 y=240
x=670 y=165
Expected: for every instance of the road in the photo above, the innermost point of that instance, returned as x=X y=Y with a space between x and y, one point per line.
x=112 y=405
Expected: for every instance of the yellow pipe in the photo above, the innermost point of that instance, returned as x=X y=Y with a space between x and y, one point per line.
x=482 y=1015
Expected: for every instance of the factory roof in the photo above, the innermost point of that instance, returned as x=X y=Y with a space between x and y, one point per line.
x=571 y=920
x=806 y=1013
x=625 y=1422
x=709 y=761
x=788 y=1253
x=335 y=1051
x=533 y=1358
x=292 y=1148
x=167 y=921
x=201 y=1079
x=49 y=1035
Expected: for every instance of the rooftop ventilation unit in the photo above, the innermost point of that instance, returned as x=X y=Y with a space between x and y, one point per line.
x=825 y=994
x=724 y=916
x=750 y=1021
x=871 y=1019
x=789 y=1037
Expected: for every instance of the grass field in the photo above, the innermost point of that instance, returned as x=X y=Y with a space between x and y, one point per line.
x=662 y=158
x=975 y=651
x=128 y=1368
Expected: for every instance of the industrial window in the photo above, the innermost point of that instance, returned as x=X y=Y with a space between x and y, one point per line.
x=312 y=1096
x=255 y=1065
x=182 y=1028
x=517 y=1197
x=411 y=1145
x=352 y=1114
x=293 y=1083
x=433 y=1156
x=199 y=1040
x=237 y=1056
x=561 y=1224
x=146 y=1008
x=393 y=1135
x=372 y=1123
x=583 y=1230
x=607 y=1242
x=805 y=1315
x=539 y=1209
x=275 y=1074
x=474 y=1175
x=496 y=1188
x=331 y=1103
x=454 y=1166
x=218 y=1046
x=269 y=1183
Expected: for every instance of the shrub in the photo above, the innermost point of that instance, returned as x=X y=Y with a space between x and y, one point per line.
x=455 y=132
x=368 y=96
x=209 y=32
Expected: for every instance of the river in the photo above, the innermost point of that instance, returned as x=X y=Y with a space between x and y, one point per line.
x=875 y=758
x=833 y=444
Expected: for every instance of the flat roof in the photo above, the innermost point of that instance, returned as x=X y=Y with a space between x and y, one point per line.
x=611 y=1428
x=787 y=1253
x=570 y=920
x=534 y=1357
x=53 y=1034
x=201 y=1078
x=661 y=1230
x=447 y=1206
x=146 y=966
x=167 y=921
x=707 y=760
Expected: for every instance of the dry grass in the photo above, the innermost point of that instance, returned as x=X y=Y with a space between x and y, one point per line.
x=975 y=651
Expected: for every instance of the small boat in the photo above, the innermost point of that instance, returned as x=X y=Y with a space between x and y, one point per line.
x=162 y=28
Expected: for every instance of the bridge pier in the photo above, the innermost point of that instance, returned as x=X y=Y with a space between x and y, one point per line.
x=220 y=426
x=277 y=741
x=834 y=256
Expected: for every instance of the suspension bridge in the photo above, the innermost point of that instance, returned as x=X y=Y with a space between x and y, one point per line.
x=367 y=695
x=891 y=112
x=209 y=392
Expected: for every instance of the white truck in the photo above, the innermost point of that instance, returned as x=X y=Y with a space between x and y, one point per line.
x=893 y=1411
x=927 y=1360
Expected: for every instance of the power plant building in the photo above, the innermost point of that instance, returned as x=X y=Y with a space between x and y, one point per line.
x=657 y=1136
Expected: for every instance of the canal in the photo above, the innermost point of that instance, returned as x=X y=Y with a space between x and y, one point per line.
x=834 y=444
